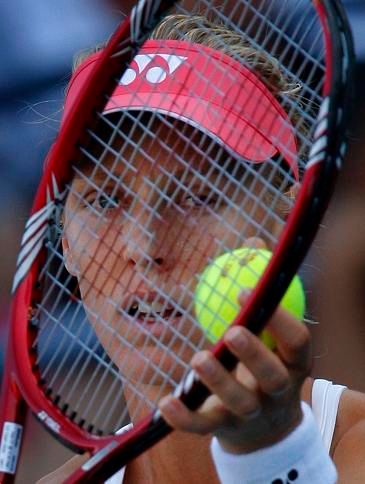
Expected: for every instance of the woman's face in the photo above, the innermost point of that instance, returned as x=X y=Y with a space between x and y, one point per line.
x=138 y=229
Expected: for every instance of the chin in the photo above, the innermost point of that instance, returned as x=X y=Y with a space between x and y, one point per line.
x=152 y=364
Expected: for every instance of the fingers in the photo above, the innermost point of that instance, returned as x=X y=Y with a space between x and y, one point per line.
x=292 y=339
x=230 y=400
x=291 y=336
x=264 y=389
x=267 y=368
x=178 y=416
x=274 y=372
x=235 y=397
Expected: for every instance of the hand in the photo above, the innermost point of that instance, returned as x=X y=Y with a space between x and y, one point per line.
x=259 y=403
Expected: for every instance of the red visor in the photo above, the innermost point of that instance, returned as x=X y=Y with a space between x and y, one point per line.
x=206 y=89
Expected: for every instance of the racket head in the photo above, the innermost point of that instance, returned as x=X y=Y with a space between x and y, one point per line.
x=41 y=277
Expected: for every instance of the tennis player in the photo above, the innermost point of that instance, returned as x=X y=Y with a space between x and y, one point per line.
x=267 y=422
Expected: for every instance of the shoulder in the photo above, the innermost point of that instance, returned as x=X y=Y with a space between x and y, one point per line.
x=350 y=416
x=349 y=445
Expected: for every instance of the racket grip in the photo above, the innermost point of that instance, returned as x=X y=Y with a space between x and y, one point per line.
x=12 y=416
x=117 y=454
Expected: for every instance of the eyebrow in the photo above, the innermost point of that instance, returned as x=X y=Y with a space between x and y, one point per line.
x=99 y=172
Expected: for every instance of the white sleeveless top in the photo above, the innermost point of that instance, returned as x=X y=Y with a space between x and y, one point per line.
x=325 y=401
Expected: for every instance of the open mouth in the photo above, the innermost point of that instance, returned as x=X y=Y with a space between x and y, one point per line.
x=152 y=311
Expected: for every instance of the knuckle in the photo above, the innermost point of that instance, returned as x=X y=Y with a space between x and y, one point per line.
x=191 y=423
x=200 y=428
x=216 y=379
x=279 y=383
x=244 y=406
x=250 y=410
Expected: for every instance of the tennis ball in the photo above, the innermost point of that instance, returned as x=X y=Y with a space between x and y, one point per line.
x=216 y=295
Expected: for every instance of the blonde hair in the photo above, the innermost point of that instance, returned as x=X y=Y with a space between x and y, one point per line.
x=198 y=29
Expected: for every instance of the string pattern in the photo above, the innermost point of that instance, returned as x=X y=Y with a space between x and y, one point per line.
x=166 y=182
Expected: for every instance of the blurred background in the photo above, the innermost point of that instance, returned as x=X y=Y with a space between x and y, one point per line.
x=39 y=39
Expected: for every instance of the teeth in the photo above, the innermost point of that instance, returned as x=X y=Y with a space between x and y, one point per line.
x=148 y=308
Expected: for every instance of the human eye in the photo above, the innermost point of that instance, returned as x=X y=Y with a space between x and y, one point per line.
x=197 y=200
x=103 y=200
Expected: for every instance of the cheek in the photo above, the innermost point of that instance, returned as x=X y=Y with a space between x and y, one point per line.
x=209 y=236
x=192 y=241
x=239 y=224
x=96 y=254
x=195 y=241
x=228 y=229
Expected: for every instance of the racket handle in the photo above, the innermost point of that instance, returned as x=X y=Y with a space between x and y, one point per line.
x=12 y=416
x=117 y=454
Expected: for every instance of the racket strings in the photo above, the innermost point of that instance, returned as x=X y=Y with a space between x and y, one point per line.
x=72 y=337
x=147 y=196
x=275 y=28
x=66 y=380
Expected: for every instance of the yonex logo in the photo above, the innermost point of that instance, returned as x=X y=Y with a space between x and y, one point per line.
x=155 y=72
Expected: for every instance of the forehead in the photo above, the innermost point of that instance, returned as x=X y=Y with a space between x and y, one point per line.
x=144 y=142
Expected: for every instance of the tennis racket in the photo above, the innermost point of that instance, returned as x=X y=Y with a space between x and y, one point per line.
x=179 y=140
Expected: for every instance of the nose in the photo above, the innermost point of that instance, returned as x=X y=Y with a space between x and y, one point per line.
x=146 y=239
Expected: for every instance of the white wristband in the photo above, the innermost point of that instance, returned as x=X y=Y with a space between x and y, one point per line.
x=300 y=458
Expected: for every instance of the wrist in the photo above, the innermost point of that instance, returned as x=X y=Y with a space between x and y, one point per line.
x=272 y=436
x=301 y=453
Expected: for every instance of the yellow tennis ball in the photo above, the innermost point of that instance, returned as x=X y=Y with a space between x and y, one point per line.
x=216 y=295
